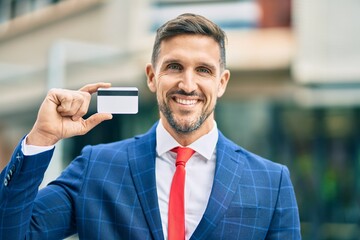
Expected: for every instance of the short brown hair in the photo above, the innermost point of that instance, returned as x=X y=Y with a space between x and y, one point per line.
x=189 y=23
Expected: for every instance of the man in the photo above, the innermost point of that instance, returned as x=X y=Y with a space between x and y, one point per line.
x=122 y=190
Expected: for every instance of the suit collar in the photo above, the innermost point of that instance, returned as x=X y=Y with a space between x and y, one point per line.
x=229 y=166
x=204 y=146
x=142 y=167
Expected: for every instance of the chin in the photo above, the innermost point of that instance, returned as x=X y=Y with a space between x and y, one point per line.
x=185 y=127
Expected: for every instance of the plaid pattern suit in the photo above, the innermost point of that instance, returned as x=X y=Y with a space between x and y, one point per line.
x=109 y=192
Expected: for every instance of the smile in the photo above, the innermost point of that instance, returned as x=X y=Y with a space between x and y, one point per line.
x=186 y=101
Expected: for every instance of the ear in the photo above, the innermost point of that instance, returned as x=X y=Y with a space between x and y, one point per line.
x=225 y=77
x=150 y=74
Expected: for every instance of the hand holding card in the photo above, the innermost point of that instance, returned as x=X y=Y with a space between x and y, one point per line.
x=118 y=100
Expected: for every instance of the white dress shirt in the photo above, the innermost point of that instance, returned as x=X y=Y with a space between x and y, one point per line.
x=200 y=170
x=29 y=150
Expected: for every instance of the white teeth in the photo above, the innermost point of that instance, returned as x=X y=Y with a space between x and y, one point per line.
x=186 y=101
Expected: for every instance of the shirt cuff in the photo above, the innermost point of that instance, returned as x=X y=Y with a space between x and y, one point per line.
x=29 y=150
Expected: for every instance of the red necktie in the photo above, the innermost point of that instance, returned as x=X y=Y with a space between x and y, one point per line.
x=176 y=216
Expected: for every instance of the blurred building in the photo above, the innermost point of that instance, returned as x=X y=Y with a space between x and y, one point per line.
x=293 y=95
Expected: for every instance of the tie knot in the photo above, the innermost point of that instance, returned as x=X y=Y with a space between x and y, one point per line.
x=183 y=155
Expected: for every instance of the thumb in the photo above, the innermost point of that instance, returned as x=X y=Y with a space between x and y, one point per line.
x=95 y=120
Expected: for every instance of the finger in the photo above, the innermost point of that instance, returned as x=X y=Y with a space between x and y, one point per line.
x=92 y=88
x=73 y=104
x=95 y=120
x=82 y=108
x=64 y=99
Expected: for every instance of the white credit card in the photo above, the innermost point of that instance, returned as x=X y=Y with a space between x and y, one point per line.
x=118 y=100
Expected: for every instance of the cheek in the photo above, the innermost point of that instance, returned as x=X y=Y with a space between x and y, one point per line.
x=162 y=89
x=210 y=95
x=165 y=84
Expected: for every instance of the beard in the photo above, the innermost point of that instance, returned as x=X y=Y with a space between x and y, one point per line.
x=183 y=127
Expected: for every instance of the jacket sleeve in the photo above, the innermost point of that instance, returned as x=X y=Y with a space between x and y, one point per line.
x=285 y=223
x=20 y=181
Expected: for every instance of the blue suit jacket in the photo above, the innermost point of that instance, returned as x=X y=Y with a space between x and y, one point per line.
x=109 y=192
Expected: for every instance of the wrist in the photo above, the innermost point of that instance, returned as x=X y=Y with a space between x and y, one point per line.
x=37 y=138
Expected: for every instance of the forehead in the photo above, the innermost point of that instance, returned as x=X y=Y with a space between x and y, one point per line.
x=190 y=47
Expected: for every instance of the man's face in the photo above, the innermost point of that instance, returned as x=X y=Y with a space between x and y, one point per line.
x=188 y=80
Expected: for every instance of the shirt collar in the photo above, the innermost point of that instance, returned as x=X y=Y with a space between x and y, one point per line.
x=205 y=145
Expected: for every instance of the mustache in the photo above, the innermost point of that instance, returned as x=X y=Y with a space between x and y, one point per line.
x=188 y=94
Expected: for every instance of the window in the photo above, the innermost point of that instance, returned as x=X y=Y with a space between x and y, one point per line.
x=10 y=9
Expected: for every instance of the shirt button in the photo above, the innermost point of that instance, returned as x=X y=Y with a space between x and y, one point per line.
x=6 y=182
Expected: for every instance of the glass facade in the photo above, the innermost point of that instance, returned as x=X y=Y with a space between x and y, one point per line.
x=321 y=148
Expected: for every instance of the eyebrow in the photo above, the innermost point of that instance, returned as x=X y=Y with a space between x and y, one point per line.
x=210 y=66
x=172 y=60
x=204 y=64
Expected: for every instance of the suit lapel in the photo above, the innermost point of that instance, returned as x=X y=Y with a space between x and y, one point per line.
x=227 y=176
x=142 y=167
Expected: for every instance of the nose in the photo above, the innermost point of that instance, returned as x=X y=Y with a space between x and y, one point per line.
x=188 y=82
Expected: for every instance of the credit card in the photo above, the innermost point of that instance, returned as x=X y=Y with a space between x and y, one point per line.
x=118 y=100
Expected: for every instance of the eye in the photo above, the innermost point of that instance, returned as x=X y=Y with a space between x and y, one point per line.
x=204 y=70
x=174 y=66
